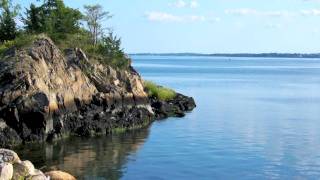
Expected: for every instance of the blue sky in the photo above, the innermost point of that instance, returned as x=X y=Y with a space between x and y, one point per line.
x=212 y=26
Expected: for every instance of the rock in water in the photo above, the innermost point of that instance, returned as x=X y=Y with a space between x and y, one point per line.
x=59 y=175
x=8 y=156
x=38 y=175
x=12 y=168
x=44 y=92
x=174 y=107
x=25 y=168
x=6 y=171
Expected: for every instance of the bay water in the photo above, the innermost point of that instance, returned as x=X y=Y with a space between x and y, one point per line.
x=256 y=118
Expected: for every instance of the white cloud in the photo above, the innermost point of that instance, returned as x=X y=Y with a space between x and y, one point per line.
x=194 y=4
x=195 y=18
x=162 y=17
x=284 y=13
x=254 y=12
x=273 y=26
x=311 y=0
x=276 y=13
x=311 y=12
x=241 y=12
x=166 y=17
x=315 y=31
x=215 y=19
x=179 y=4
x=185 y=4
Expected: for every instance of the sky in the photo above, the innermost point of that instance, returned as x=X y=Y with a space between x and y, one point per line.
x=212 y=26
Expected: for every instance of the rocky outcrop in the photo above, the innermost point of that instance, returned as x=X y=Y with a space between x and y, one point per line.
x=46 y=93
x=12 y=168
x=175 y=107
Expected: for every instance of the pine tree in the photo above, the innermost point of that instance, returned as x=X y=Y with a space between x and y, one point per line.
x=34 y=20
x=8 y=29
x=53 y=18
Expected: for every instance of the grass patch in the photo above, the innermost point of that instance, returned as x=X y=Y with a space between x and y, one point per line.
x=19 y=42
x=159 y=92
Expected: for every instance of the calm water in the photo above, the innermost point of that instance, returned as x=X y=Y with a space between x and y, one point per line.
x=257 y=118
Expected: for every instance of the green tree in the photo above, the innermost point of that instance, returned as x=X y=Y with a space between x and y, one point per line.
x=34 y=21
x=110 y=47
x=53 y=18
x=8 y=29
x=94 y=15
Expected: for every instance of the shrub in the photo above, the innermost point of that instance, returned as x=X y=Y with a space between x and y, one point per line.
x=21 y=41
x=107 y=51
x=80 y=39
x=110 y=48
x=159 y=92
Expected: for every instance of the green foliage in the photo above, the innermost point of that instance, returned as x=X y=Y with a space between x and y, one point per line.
x=52 y=18
x=94 y=15
x=159 y=92
x=108 y=51
x=8 y=30
x=110 y=48
x=81 y=39
x=100 y=53
x=62 y=25
x=34 y=20
x=20 y=41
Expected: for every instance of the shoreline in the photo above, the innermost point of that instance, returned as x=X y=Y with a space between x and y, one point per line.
x=55 y=94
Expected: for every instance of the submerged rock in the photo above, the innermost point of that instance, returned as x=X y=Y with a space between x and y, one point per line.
x=45 y=93
x=60 y=175
x=26 y=169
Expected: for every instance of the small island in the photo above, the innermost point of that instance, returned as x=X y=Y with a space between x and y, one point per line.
x=59 y=78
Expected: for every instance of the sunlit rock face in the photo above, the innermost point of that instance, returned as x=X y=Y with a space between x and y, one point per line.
x=46 y=93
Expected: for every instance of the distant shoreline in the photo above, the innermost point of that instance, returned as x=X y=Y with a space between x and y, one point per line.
x=270 y=55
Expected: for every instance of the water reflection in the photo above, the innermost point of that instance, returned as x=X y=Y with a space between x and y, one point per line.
x=91 y=158
x=250 y=124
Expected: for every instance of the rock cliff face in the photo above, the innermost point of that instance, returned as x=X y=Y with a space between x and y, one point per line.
x=45 y=93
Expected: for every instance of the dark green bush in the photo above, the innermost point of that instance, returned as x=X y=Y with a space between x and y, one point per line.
x=110 y=48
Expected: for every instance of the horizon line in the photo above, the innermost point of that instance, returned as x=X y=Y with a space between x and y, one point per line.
x=281 y=55
x=317 y=53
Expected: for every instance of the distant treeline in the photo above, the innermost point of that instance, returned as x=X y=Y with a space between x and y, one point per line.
x=271 y=55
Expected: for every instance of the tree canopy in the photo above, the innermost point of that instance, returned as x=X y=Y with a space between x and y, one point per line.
x=64 y=26
x=8 y=29
x=94 y=15
x=53 y=18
